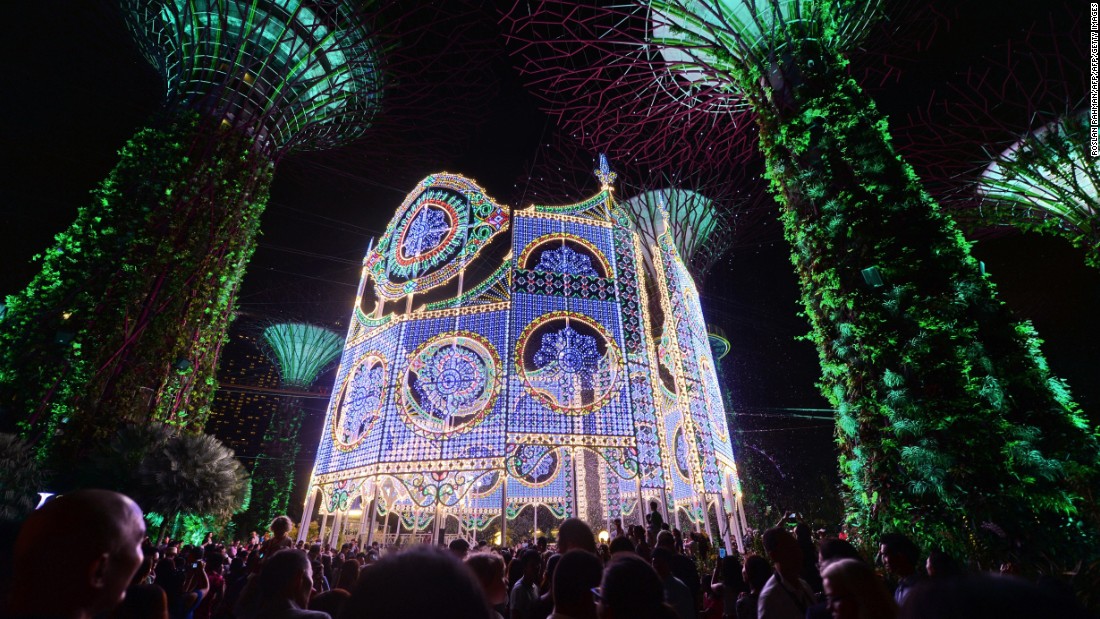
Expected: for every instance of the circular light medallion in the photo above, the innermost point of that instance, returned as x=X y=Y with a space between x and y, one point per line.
x=451 y=384
x=569 y=362
x=680 y=450
x=537 y=465
x=360 y=403
x=429 y=233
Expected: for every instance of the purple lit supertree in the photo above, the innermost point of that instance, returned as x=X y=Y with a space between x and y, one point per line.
x=127 y=316
x=947 y=416
x=618 y=95
x=1007 y=145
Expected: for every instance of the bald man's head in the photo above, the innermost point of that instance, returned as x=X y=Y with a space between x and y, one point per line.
x=75 y=556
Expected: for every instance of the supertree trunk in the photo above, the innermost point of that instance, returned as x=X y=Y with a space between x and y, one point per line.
x=273 y=473
x=948 y=417
x=126 y=317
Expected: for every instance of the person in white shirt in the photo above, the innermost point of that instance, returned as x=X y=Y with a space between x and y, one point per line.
x=786 y=595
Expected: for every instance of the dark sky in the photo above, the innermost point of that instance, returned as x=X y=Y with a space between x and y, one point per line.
x=74 y=88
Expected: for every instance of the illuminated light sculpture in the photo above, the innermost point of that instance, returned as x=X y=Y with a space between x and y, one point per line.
x=126 y=319
x=460 y=404
x=301 y=351
x=929 y=370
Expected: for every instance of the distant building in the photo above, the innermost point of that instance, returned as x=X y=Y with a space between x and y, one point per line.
x=239 y=414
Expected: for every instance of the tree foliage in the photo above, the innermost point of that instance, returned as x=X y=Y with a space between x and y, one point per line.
x=20 y=478
x=128 y=313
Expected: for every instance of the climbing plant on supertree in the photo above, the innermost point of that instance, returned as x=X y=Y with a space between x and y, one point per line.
x=302 y=352
x=921 y=360
x=948 y=420
x=126 y=318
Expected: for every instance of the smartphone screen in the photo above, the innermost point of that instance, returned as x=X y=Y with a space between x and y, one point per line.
x=721 y=553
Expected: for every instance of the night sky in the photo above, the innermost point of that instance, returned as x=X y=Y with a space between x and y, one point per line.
x=74 y=89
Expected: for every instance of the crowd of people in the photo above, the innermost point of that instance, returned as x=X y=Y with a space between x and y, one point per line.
x=86 y=555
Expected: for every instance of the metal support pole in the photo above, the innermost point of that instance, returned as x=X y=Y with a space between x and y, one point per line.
x=307 y=516
x=373 y=509
x=504 y=511
x=321 y=531
x=337 y=524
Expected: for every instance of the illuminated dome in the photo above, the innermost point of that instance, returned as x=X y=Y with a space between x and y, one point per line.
x=290 y=73
x=503 y=363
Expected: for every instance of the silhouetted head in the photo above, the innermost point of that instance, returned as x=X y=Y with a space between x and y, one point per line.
x=756 y=572
x=853 y=590
x=621 y=544
x=782 y=549
x=423 y=581
x=76 y=555
x=574 y=533
x=899 y=554
x=631 y=589
x=280 y=526
x=833 y=549
x=577 y=573
x=665 y=539
x=459 y=547
x=488 y=568
x=287 y=575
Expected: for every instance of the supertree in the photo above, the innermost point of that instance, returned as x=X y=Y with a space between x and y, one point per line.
x=706 y=209
x=1023 y=160
x=948 y=420
x=126 y=318
x=302 y=352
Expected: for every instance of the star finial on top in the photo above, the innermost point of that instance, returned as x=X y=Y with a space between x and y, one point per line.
x=604 y=174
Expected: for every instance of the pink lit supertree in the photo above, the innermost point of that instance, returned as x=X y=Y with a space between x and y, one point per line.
x=609 y=89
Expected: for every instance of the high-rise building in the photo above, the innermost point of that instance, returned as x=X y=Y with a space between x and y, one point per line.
x=242 y=406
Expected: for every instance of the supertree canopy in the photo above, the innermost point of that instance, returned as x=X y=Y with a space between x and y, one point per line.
x=546 y=383
x=287 y=73
x=1049 y=182
x=1022 y=161
x=301 y=351
x=690 y=218
x=128 y=313
x=948 y=422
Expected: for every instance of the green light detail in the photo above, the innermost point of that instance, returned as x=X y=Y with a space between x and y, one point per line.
x=302 y=351
x=719 y=345
x=948 y=416
x=688 y=216
x=698 y=37
x=288 y=75
x=1047 y=182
